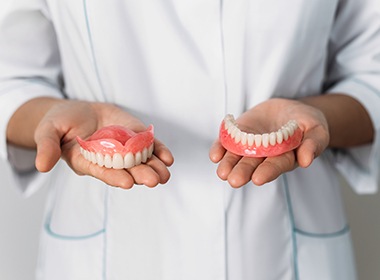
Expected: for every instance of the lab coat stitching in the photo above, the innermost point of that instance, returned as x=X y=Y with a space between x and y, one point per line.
x=105 y=216
x=225 y=112
x=338 y=233
x=92 y=48
x=223 y=53
x=293 y=228
x=68 y=237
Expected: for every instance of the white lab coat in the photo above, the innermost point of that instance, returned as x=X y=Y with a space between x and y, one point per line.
x=182 y=65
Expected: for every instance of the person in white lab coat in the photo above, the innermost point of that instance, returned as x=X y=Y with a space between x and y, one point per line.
x=68 y=68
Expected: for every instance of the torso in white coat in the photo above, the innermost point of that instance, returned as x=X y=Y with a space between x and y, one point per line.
x=182 y=65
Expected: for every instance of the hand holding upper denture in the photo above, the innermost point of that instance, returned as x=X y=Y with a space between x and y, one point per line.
x=272 y=138
x=56 y=136
x=118 y=147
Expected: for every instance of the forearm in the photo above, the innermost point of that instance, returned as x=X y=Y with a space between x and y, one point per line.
x=23 y=123
x=349 y=122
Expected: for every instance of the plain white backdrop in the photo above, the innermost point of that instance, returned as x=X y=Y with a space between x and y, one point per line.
x=21 y=221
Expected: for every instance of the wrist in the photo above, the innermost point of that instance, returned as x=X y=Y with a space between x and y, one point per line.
x=23 y=123
x=348 y=121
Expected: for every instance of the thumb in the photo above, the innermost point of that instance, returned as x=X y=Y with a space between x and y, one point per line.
x=312 y=146
x=48 y=141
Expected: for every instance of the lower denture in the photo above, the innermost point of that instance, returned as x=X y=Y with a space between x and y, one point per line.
x=118 y=147
x=287 y=138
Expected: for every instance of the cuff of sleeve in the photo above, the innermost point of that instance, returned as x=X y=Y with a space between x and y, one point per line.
x=360 y=165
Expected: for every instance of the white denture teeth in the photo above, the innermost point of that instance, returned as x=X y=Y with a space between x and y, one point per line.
x=265 y=140
x=100 y=159
x=118 y=161
x=251 y=139
x=258 y=140
x=129 y=160
x=272 y=138
x=279 y=137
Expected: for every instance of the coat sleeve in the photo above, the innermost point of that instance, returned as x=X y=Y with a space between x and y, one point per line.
x=29 y=68
x=354 y=69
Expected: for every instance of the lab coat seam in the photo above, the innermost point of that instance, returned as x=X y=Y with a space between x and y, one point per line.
x=341 y=232
x=92 y=49
x=293 y=228
x=223 y=55
x=225 y=241
x=105 y=222
x=56 y=235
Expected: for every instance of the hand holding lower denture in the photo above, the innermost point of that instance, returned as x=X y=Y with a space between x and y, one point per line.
x=303 y=136
x=56 y=135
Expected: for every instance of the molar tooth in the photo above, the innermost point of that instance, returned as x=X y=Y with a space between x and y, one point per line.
x=129 y=160
x=234 y=131
x=258 y=140
x=150 y=150
x=265 y=140
x=294 y=124
x=229 y=119
x=87 y=155
x=81 y=150
x=280 y=137
x=285 y=133
x=99 y=159
x=93 y=157
x=225 y=125
x=230 y=128
x=251 y=139
x=237 y=136
x=228 y=125
x=290 y=129
x=272 y=138
x=107 y=161
x=137 y=158
x=117 y=161
x=244 y=137
x=144 y=155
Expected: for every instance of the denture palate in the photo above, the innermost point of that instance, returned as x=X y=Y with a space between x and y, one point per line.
x=118 y=147
x=273 y=143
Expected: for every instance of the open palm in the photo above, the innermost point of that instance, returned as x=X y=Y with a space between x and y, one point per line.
x=55 y=139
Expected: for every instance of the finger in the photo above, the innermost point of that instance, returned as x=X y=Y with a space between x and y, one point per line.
x=160 y=168
x=226 y=165
x=241 y=174
x=48 y=140
x=150 y=174
x=272 y=167
x=217 y=152
x=313 y=145
x=306 y=153
x=163 y=153
x=112 y=177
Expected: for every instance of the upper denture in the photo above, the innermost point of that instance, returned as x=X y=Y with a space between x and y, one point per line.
x=118 y=147
x=273 y=143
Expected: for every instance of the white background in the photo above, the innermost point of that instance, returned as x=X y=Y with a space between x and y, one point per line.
x=21 y=220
